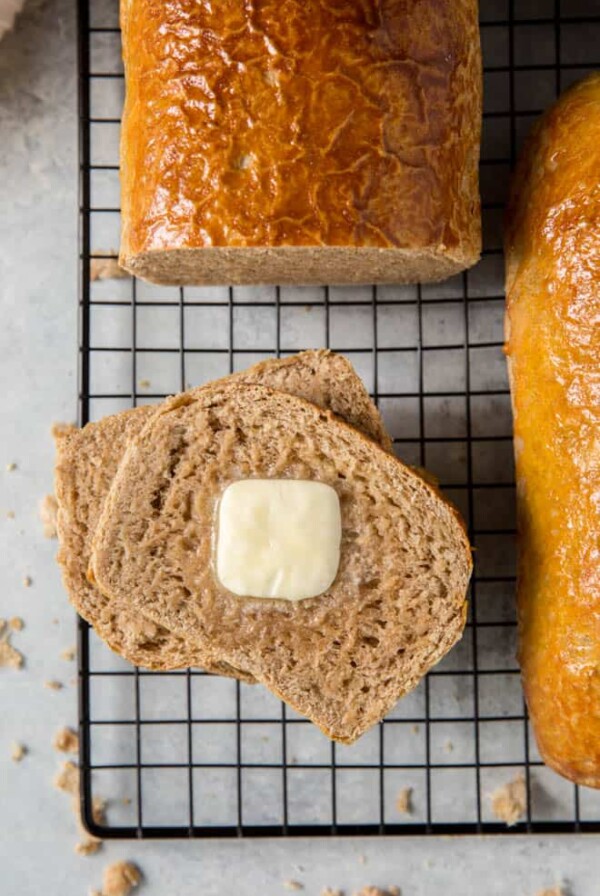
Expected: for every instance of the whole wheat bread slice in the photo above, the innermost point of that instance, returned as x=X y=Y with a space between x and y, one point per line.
x=88 y=458
x=398 y=602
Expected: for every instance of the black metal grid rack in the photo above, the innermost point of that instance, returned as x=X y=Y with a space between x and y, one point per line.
x=186 y=754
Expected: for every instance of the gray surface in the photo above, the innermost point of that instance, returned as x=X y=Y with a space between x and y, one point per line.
x=38 y=378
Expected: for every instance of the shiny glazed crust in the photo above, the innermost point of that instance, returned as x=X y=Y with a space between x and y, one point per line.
x=300 y=140
x=553 y=347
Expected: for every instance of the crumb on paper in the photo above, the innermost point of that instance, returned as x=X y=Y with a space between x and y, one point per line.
x=2 y=625
x=145 y=384
x=414 y=729
x=90 y=844
x=53 y=685
x=293 y=885
x=510 y=801
x=126 y=801
x=27 y=581
x=328 y=891
x=10 y=657
x=449 y=746
x=377 y=891
x=10 y=514
x=362 y=859
x=106 y=267
x=10 y=467
x=404 y=801
x=67 y=778
x=16 y=623
x=18 y=752
x=55 y=621
x=68 y=654
x=66 y=741
x=48 y=511
x=553 y=891
x=120 y=878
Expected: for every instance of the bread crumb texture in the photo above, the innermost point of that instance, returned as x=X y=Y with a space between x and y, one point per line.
x=11 y=467
x=18 y=752
x=120 y=878
x=106 y=268
x=10 y=657
x=16 y=623
x=68 y=654
x=509 y=802
x=293 y=885
x=66 y=741
x=53 y=685
x=48 y=510
x=377 y=891
x=404 y=801
x=89 y=844
x=67 y=778
x=328 y=891
x=553 y=891
x=27 y=581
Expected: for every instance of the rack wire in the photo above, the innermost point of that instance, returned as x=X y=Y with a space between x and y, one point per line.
x=186 y=754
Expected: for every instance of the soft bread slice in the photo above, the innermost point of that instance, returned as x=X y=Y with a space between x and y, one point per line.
x=88 y=458
x=398 y=602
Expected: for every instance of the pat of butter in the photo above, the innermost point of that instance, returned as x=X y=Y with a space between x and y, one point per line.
x=278 y=538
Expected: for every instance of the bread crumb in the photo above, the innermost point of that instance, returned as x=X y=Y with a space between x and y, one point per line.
x=66 y=741
x=16 y=623
x=10 y=514
x=18 y=752
x=404 y=801
x=90 y=844
x=95 y=893
x=10 y=467
x=120 y=878
x=293 y=885
x=145 y=384
x=510 y=801
x=27 y=581
x=10 y=657
x=68 y=654
x=415 y=729
x=327 y=891
x=57 y=430
x=362 y=859
x=377 y=891
x=67 y=778
x=449 y=746
x=53 y=685
x=553 y=891
x=48 y=511
x=106 y=268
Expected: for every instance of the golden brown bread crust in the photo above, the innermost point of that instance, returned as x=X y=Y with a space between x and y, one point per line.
x=288 y=126
x=553 y=346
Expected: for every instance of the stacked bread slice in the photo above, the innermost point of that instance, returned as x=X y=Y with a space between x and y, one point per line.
x=137 y=493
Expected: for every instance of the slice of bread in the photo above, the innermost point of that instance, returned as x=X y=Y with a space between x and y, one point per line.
x=88 y=458
x=398 y=602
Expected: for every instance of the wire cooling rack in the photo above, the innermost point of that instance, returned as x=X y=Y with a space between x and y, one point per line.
x=186 y=754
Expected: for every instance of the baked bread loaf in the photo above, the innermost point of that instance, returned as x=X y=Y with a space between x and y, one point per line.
x=88 y=458
x=303 y=142
x=343 y=658
x=553 y=348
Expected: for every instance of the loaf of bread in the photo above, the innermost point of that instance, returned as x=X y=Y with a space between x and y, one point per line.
x=343 y=658
x=88 y=458
x=553 y=348
x=300 y=141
